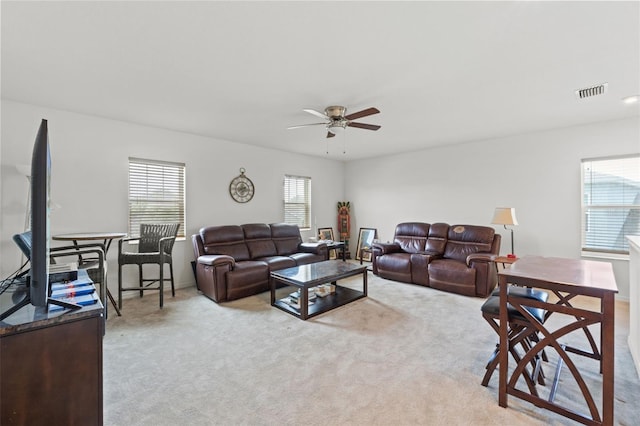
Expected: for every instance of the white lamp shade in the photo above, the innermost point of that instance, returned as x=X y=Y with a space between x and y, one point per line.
x=504 y=216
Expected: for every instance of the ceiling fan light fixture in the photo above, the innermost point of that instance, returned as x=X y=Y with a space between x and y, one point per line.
x=336 y=127
x=335 y=112
x=337 y=121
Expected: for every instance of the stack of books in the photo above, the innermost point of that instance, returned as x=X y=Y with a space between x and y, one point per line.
x=294 y=298
x=324 y=289
x=80 y=292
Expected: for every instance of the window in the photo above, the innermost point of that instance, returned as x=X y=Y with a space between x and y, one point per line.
x=297 y=201
x=156 y=194
x=610 y=203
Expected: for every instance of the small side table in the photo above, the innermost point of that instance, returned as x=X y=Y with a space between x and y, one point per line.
x=107 y=238
x=364 y=251
x=504 y=260
x=336 y=245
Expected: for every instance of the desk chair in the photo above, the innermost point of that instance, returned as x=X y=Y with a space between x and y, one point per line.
x=155 y=245
x=520 y=332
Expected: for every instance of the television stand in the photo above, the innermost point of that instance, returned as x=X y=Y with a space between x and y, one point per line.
x=55 y=355
x=27 y=301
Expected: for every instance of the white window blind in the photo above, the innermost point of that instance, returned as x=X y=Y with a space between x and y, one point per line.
x=297 y=200
x=156 y=194
x=610 y=203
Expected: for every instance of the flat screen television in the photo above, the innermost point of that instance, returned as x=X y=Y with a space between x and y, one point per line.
x=38 y=279
x=40 y=222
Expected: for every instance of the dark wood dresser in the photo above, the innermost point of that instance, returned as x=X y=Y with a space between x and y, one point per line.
x=50 y=365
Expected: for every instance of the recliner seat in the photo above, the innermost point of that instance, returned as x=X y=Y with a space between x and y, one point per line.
x=454 y=258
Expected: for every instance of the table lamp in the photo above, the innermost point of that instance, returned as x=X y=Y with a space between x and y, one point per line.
x=506 y=216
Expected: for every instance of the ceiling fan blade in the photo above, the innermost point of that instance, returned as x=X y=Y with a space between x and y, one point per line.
x=317 y=114
x=363 y=113
x=305 y=125
x=330 y=135
x=364 y=126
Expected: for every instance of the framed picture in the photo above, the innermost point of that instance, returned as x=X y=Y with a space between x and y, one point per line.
x=327 y=234
x=365 y=241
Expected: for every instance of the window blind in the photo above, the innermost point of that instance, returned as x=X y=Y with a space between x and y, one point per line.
x=156 y=194
x=610 y=203
x=297 y=200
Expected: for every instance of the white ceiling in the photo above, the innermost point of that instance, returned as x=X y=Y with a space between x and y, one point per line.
x=440 y=72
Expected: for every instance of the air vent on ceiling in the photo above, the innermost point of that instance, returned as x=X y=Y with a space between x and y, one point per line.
x=588 y=92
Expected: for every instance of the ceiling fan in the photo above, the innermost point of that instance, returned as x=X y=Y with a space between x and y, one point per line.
x=336 y=119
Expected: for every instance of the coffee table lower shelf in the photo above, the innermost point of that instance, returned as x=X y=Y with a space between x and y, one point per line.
x=342 y=296
x=306 y=277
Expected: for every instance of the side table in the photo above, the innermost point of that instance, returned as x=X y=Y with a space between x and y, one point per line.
x=107 y=238
x=504 y=260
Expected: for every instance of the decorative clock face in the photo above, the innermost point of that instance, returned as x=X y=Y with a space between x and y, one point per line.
x=241 y=188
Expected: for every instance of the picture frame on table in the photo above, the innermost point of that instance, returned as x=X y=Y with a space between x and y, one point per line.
x=365 y=241
x=327 y=234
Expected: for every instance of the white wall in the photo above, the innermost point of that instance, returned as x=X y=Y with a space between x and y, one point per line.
x=537 y=173
x=90 y=172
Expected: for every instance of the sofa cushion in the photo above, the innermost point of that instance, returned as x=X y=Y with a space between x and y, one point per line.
x=278 y=262
x=453 y=276
x=247 y=278
x=307 y=258
x=286 y=238
x=227 y=239
x=395 y=266
x=437 y=238
x=463 y=240
x=411 y=236
x=258 y=239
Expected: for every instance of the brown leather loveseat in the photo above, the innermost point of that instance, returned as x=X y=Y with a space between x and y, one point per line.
x=454 y=258
x=234 y=261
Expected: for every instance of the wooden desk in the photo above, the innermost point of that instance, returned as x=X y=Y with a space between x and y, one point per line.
x=107 y=238
x=566 y=278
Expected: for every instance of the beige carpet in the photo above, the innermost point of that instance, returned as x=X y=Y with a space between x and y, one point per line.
x=406 y=355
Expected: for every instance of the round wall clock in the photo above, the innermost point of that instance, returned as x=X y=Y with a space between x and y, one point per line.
x=241 y=188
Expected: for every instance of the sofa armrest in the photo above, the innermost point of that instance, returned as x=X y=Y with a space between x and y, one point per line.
x=310 y=247
x=385 y=248
x=211 y=271
x=216 y=260
x=315 y=248
x=480 y=257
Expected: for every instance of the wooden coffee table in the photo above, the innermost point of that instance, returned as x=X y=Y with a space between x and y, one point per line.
x=306 y=276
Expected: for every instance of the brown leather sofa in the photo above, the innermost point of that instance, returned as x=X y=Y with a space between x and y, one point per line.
x=234 y=261
x=454 y=258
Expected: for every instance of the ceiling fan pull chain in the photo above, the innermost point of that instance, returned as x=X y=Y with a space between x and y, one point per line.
x=344 y=143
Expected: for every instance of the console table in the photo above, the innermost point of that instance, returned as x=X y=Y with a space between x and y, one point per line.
x=51 y=365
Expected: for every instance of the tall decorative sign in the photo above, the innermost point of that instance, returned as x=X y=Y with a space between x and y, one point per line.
x=344 y=225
